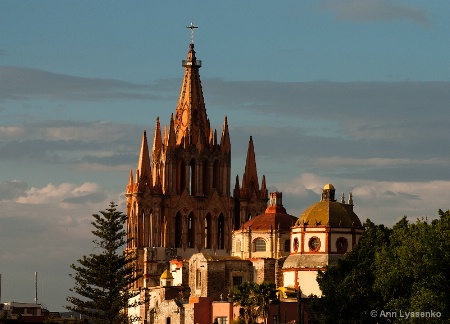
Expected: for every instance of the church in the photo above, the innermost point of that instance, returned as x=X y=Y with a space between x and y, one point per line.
x=179 y=199
x=196 y=236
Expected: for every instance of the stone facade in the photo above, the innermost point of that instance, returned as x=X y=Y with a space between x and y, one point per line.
x=179 y=198
x=266 y=235
x=215 y=276
x=264 y=270
x=170 y=312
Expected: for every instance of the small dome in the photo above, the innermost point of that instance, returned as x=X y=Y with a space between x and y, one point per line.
x=331 y=213
x=328 y=186
x=166 y=275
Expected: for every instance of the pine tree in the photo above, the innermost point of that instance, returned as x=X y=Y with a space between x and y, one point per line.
x=102 y=280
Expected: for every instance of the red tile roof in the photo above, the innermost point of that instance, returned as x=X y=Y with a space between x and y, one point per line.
x=273 y=217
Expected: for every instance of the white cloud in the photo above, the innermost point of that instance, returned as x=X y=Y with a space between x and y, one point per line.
x=45 y=229
x=382 y=201
x=12 y=132
x=303 y=185
x=56 y=194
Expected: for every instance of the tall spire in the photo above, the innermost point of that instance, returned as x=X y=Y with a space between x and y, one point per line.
x=225 y=143
x=264 y=190
x=171 y=141
x=250 y=173
x=190 y=116
x=143 y=172
x=157 y=142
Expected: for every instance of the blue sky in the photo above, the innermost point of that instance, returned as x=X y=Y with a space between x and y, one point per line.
x=351 y=92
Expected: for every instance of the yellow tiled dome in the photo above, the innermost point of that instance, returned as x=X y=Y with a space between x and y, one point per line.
x=329 y=212
x=166 y=275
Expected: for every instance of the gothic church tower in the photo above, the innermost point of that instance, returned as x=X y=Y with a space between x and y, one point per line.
x=179 y=202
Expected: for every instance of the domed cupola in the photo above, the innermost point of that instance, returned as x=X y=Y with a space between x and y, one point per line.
x=328 y=193
x=266 y=235
x=329 y=212
x=323 y=233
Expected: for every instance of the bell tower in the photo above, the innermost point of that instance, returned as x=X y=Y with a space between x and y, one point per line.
x=179 y=198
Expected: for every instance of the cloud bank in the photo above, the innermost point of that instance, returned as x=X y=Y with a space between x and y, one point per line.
x=20 y=83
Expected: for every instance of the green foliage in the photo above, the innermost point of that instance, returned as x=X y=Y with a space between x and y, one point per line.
x=347 y=294
x=102 y=279
x=254 y=300
x=266 y=296
x=406 y=268
x=412 y=273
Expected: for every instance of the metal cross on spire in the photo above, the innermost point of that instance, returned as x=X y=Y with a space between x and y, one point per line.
x=192 y=27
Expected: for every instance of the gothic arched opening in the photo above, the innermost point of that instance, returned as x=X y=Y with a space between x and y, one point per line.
x=216 y=176
x=221 y=232
x=192 y=177
x=206 y=178
x=178 y=230
x=181 y=176
x=208 y=232
x=191 y=230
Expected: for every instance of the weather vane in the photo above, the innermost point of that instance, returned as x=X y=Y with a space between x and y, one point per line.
x=192 y=27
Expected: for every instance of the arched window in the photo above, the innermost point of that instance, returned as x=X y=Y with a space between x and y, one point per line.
x=191 y=230
x=296 y=244
x=161 y=174
x=178 y=230
x=181 y=176
x=206 y=178
x=216 y=176
x=143 y=233
x=287 y=245
x=208 y=232
x=259 y=245
x=152 y=229
x=238 y=246
x=192 y=177
x=130 y=231
x=220 y=232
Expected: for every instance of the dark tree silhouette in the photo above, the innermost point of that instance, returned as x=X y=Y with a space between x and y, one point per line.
x=102 y=280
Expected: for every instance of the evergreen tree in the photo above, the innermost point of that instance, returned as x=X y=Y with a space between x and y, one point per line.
x=102 y=280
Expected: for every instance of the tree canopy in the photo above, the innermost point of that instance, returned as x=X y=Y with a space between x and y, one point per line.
x=254 y=300
x=102 y=280
x=390 y=274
